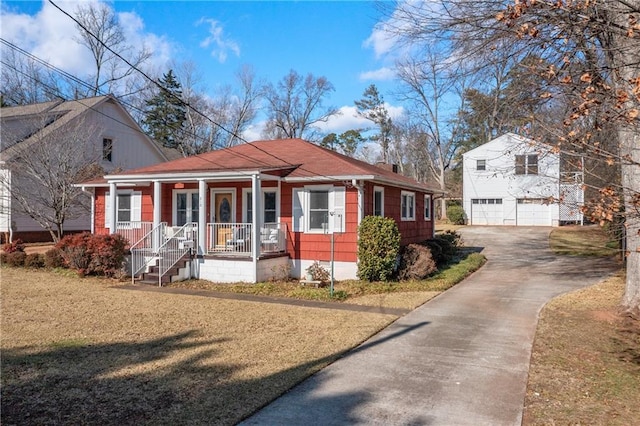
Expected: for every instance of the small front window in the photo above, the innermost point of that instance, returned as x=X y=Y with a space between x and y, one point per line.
x=378 y=201
x=427 y=207
x=408 y=205
x=187 y=207
x=318 y=210
x=124 y=207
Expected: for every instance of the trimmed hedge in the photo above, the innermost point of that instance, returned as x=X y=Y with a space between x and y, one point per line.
x=378 y=248
x=456 y=215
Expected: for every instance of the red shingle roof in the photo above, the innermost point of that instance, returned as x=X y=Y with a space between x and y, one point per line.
x=303 y=159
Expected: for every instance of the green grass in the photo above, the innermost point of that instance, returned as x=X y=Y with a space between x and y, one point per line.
x=445 y=278
x=582 y=241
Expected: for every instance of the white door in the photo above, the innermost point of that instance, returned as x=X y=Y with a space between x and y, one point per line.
x=532 y=212
x=486 y=211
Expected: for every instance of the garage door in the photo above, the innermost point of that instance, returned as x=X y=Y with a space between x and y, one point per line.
x=486 y=211
x=533 y=212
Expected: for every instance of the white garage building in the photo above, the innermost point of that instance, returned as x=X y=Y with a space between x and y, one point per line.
x=513 y=180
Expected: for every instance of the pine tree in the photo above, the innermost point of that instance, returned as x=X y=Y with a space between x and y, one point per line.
x=166 y=112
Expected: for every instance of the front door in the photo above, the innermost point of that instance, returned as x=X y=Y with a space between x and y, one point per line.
x=223 y=214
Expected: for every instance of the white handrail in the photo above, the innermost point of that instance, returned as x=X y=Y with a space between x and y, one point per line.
x=143 y=252
x=175 y=247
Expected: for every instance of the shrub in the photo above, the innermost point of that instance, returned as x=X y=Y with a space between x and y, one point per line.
x=456 y=215
x=16 y=258
x=436 y=251
x=318 y=272
x=378 y=248
x=53 y=258
x=416 y=262
x=93 y=254
x=13 y=246
x=34 y=260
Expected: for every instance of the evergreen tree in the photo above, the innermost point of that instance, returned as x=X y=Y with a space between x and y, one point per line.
x=166 y=112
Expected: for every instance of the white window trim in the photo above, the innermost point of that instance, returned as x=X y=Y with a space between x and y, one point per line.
x=381 y=190
x=413 y=209
x=136 y=206
x=245 y=203
x=174 y=202
x=337 y=205
x=427 y=202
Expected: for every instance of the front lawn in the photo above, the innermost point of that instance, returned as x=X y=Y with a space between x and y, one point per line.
x=79 y=351
x=582 y=241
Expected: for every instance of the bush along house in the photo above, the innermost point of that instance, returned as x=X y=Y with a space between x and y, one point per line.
x=254 y=212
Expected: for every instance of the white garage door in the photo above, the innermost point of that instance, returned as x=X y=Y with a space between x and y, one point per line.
x=533 y=212
x=486 y=211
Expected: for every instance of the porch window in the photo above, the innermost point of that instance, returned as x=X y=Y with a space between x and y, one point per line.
x=378 y=201
x=269 y=206
x=186 y=207
x=408 y=205
x=128 y=207
x=427 y=207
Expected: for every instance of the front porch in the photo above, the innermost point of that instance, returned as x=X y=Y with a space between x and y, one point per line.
x=229 y=254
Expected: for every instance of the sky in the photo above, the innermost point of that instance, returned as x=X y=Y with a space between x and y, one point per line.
x=339 y=40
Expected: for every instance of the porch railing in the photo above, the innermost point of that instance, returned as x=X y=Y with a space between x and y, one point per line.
x=178 y=242
x=144 y=251
x=235 y=238
x=273 y=237
x=133 y=231
x=232 y=238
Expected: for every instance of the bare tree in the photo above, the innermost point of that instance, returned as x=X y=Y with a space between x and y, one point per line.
x=590 y=50
x=429 y=84
x=42 y=175
x=294 y=106
x=102 y=34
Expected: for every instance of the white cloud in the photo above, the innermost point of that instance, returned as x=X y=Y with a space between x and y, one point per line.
x=380 y=40
x=381 y=74
x=221 y=44
x=350 y=120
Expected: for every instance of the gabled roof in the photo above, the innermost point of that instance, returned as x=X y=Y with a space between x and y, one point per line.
x=25 y=125
x=508 y=139
x=295 y=160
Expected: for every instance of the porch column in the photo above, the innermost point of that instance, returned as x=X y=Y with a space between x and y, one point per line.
x=113 y=208
x=202 y=217
x=157 y=203
x=256 y=194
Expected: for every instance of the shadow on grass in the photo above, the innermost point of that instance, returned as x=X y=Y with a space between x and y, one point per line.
x=170 y=380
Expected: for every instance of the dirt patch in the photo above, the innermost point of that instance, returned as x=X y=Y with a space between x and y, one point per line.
x=585 y=364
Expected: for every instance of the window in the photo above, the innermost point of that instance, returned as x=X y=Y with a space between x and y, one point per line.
x=128 y=207
x=527 y=164
x=318 y=209
x=408 y=205
x=427 y=207
x=378 y=201
x=107 y=149
x=269 y=206
x=486 y=201
x=481 y=164
x=185 y=206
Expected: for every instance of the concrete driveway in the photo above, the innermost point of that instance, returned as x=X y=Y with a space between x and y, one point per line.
x=460 y=359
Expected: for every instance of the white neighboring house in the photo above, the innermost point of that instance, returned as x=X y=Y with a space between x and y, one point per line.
x=513 y=180
x=115 y=142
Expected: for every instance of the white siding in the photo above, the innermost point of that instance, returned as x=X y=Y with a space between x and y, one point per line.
x=499 y=180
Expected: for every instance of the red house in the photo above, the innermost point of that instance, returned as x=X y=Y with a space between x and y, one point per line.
x=200 y=211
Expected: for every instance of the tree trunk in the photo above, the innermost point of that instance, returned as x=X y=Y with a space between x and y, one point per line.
x=630 y=145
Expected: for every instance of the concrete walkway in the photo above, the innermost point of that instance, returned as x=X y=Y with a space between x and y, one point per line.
x=460 y=359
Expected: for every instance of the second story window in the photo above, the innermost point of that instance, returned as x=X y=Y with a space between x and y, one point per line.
x=527 y=164
x=107 y=149
x=481 y=164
